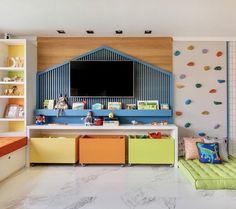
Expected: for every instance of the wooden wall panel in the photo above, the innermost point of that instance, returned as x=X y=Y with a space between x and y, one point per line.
x=54 y=50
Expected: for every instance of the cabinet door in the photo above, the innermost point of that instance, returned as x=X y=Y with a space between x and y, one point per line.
x=151 y=151
x=51 y=150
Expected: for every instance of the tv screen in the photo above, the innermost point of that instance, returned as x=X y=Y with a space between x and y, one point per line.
x=102 y=78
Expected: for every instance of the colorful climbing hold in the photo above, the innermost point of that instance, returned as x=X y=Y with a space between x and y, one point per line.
x=190 y=64
x=179 y=86
x=198 y=85
x=182 y=76
x=205 y=112
x=221 y=81
x=212 y=91
x=206 y=68
x=178 y=113
x=218 y=68
x=217 y=103
x=188 y=101
x=204 y=51
x=219 y=53
x=187 y=125
x=217 y=126
x=190 y=47
x=177 y=53
x=201 y=134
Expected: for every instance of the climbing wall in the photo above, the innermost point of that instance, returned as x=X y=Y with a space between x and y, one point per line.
x=200 y=88
x=232 y=98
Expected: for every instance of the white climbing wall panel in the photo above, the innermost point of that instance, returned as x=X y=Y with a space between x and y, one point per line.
x=197 y=62
x=232 y=98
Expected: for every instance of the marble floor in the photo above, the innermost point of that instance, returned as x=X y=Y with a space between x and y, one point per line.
x=107 y=187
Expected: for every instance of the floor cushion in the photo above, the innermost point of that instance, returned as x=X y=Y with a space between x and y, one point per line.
x=210 y=176
x=10 y=144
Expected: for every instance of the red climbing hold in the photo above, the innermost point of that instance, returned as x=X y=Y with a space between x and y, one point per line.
x=190 y=64
x=178 y=113
x=219 y=53
x=212 y=91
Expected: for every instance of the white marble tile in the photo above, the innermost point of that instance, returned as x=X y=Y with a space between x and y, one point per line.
x=105 y=187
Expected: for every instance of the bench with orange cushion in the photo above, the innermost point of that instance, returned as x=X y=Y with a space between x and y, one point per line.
x=12 y=155
x=10 y=144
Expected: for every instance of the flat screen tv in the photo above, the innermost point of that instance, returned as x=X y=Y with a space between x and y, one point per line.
x=102 y=78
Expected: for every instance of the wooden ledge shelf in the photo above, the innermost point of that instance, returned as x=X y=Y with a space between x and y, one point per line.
x=138 y=113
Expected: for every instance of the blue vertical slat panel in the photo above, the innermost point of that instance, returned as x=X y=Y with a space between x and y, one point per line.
x=151 y=83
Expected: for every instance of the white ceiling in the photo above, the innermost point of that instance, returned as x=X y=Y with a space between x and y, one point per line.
x=182 y=18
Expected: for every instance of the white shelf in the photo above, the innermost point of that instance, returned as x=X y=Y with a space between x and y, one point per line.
x=11 y=119
x=12 y=82
x=12 y=68
x=11 y=97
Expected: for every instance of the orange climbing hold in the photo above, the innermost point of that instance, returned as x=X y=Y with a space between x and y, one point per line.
x=178 y=113
x=219 y=54
x=212 y=91
x=179 y=86
x=191 y=47
x=190 y=64
x=205 y=113
x=206 y=68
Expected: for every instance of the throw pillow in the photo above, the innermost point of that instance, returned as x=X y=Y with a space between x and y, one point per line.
x=190 y=147
x=209 y=152
x=222 y=146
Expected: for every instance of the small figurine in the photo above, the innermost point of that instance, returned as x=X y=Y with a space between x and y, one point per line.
x=88 y=120
x=10 y=91
x=40 y=120
x=61 y=104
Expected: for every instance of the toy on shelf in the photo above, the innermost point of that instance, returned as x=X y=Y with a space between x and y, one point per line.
x=130 y=106
x=162 y=123
x=111 y=120
x=88 y=120
x=13 y=79
x=40 y=120
x=11 y=91
x=98 y=122
x=79 y=105
x=61 y=105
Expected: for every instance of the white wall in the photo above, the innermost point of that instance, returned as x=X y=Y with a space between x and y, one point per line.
x=202 y=100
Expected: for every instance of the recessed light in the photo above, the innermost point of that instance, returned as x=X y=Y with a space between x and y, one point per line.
x=147 y=32
x=119 y=31
x=90 y=31
x=61 y=31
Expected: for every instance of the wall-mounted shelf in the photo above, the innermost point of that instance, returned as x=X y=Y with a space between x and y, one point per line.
x=11 y=83
x=11 y=97
x=12 y=119
x=12 y=68
x=149 y=113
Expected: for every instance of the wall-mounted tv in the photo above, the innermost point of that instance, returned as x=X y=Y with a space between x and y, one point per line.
x=102 y=78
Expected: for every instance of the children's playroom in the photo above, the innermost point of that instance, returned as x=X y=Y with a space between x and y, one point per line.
x=117 y=104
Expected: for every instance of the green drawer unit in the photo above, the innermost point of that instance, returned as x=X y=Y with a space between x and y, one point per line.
x=151 y=151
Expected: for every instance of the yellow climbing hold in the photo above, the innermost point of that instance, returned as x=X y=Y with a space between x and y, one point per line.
x=179 y=86
x=206 y=68
x=205 y=113
x=191 y=47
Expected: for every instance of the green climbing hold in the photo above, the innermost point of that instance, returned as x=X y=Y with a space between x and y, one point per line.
x=221 y=81
x=198 y=85
x=218 y=68
x=187 y=125
x=177 y=53
x=217 y=103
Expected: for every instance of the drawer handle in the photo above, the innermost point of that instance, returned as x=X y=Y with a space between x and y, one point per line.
x=9 y=157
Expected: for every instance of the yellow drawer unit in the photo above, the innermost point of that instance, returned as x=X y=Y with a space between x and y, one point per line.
x=54 y=149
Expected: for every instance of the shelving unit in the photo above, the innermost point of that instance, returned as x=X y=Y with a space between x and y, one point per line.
x=27 y=52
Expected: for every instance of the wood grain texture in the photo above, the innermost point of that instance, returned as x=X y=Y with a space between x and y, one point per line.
x=156 y=51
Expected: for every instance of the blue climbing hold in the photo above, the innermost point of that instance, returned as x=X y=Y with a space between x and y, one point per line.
x=177 y=53
x=217 y=126
x=221 y=81
x=188 y=101
x=201 y=134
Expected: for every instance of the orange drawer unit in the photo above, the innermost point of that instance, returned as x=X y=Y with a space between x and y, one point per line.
x=102 y=149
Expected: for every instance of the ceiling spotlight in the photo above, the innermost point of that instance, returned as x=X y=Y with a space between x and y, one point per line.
x=147 y=32
x=119 y=31
x=90 y=31
x=61 y=31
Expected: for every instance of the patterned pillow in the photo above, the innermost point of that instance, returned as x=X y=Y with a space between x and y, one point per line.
x=209 y=152
x=222 y=146
x=190 y=147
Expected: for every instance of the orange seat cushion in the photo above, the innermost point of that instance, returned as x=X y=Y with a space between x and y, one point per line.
x=10 y=144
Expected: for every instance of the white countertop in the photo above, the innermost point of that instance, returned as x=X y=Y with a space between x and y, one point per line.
x=120 y=127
